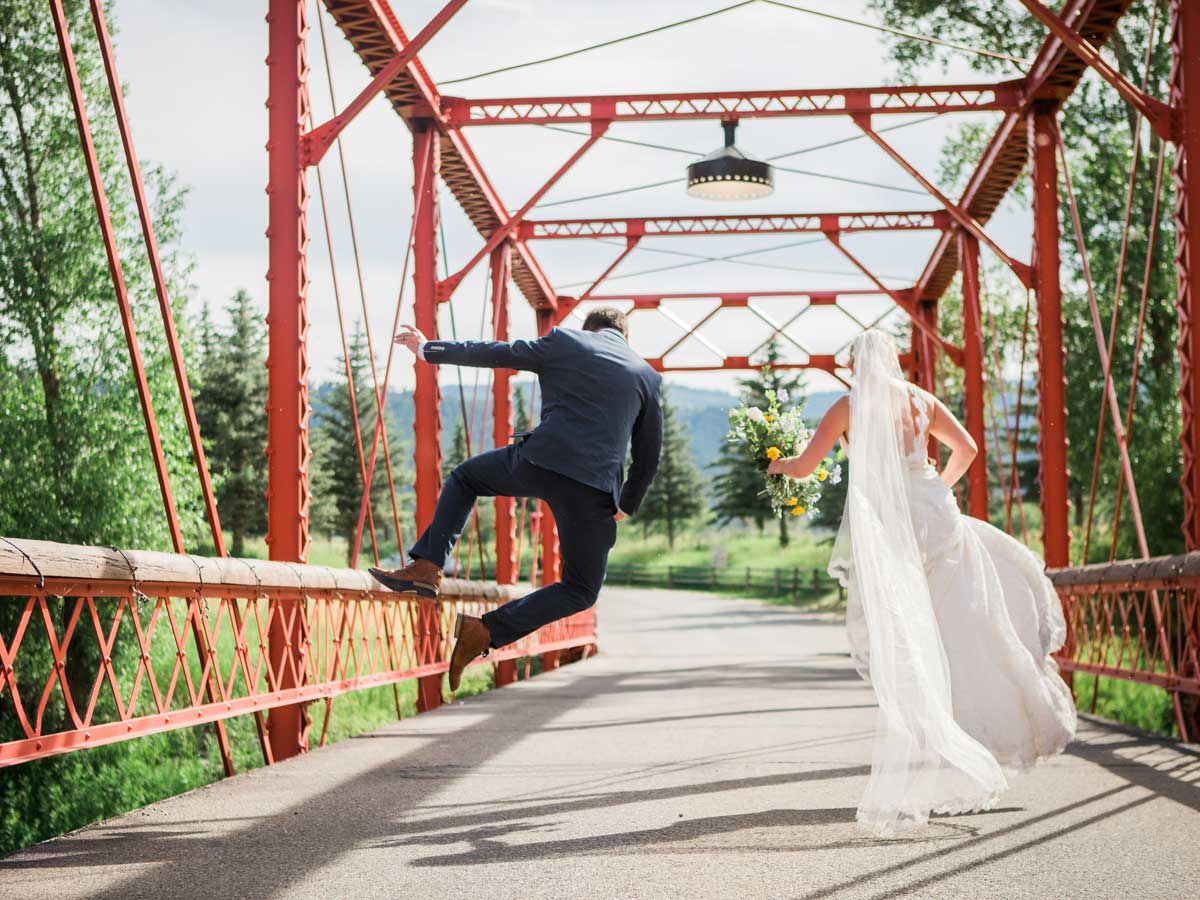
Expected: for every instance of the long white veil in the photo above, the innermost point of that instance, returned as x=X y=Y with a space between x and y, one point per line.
x=923 y=761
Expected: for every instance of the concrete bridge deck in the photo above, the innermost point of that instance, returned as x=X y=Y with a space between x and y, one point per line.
x=716 y=749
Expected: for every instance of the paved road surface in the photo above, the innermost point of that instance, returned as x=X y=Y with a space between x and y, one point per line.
x=716 y=749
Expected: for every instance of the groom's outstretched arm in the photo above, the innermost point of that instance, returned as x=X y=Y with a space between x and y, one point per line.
x=646 y=447
x=525 y=355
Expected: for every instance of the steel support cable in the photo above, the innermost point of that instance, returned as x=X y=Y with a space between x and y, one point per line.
x=337 y=299
x=1141 y=330
x=992 y=430
x=418 y=187
x=1012 y=479
x=937 y=42
x=462 y=401
x=1120 y=276
x=716 y=12
x=1118 y=429
x=789 y=153
x=380 y=401
x=619 y=40
x=1014 y=472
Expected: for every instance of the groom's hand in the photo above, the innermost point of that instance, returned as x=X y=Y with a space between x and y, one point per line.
x=409 y=338
x=620 y=516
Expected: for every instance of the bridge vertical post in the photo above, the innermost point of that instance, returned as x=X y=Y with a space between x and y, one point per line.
x=287 y=358
x=1052 y=382
x=502 y=427
x=427 y=395
x=1185 y=99
x=502 y=421
x=924 y=357
x=972 y=339
x=551 y=561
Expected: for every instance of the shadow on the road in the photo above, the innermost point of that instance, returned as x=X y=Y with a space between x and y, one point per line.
x=701 y=835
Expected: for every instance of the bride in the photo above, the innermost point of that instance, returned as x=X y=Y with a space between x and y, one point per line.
x=951 y=620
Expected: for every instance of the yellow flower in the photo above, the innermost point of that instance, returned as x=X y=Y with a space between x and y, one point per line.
x=792 y=501
x=773 y=453
x=769 y=418
x=822 y=474
x=797 y=510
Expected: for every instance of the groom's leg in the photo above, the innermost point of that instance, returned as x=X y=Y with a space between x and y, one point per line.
x=489 y=474
x=586 y=532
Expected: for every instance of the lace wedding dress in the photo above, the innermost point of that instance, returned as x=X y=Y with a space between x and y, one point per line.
x=951 y=620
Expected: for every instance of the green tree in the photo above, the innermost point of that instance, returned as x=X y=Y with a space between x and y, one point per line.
x=676 y=495
x=230 y=399
x=1099 y=137
x=738 y=487
x=457 y=454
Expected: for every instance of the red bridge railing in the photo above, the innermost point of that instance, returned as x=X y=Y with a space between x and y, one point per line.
x=1137 y=620
x=102 y=645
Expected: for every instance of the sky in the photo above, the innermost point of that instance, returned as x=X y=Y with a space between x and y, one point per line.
x=197 y=83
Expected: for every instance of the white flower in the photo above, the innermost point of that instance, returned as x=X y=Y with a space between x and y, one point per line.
x=754 y=414
x=782 y=395
x=836 y=477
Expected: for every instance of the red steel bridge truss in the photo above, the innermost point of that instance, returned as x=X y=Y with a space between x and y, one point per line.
x=268 y=639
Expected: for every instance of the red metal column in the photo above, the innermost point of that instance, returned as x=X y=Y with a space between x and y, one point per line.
x=502 y=423
x=551 y=562
x=972 y=342
x=287 y=363
x=1052 y=386
x=427 y=396
x=1185 y=97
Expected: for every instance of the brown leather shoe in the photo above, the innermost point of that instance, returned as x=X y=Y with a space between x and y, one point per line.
x=419 y=577
x=473 y=639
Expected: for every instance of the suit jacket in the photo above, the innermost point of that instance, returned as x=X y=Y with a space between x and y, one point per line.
x=598 y=399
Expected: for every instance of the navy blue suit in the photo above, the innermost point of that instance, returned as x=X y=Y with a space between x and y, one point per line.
x=599 y=400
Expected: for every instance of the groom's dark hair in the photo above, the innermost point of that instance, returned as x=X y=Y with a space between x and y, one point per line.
x=607 y=317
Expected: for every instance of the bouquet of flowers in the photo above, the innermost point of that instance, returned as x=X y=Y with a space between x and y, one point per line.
x=767 y=435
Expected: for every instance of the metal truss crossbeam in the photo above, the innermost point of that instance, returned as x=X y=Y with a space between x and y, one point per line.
x=899 y=99
x=684 y=226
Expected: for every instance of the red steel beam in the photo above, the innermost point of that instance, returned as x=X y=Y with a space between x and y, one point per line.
x=447 y=287
x=973 y=400
x=502 y=419
x=1185 y=94
x=901 y=99
x=823 y=362
x=427 y=395
x=731 y=298
x=690 y=226
x=904 y=301
x=1052 y=77
x=376 y=36
x=316 y=143
x=961 y=216
x=1157 y=113
x=1052 y=399
x=287 y=362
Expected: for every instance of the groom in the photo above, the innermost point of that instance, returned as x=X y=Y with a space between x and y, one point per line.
x=598 y=398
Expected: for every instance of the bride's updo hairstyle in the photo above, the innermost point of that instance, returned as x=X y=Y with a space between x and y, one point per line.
x=873 y=354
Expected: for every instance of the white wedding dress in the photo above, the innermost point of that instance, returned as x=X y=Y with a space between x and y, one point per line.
x=951 y=620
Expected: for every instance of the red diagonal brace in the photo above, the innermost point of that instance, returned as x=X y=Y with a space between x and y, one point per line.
x=446 y=288
x=566 y=304
x=1022 y=270
x=1160 y=116
x=901 y=300
x=315 y=144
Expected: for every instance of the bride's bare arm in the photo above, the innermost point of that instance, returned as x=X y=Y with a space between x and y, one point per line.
x=833 y=425
x=949 y=431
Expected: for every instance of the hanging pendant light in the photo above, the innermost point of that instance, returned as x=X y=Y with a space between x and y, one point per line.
x=728 y=174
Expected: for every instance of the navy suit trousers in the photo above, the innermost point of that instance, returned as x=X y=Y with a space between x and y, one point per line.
x=586 y=532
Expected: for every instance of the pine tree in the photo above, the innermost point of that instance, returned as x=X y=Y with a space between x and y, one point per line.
x=738 y=486
x=457 y=454
x=676 y=494
x=230 y=398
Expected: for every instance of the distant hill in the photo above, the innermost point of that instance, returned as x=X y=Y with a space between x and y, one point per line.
x=705 y=413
